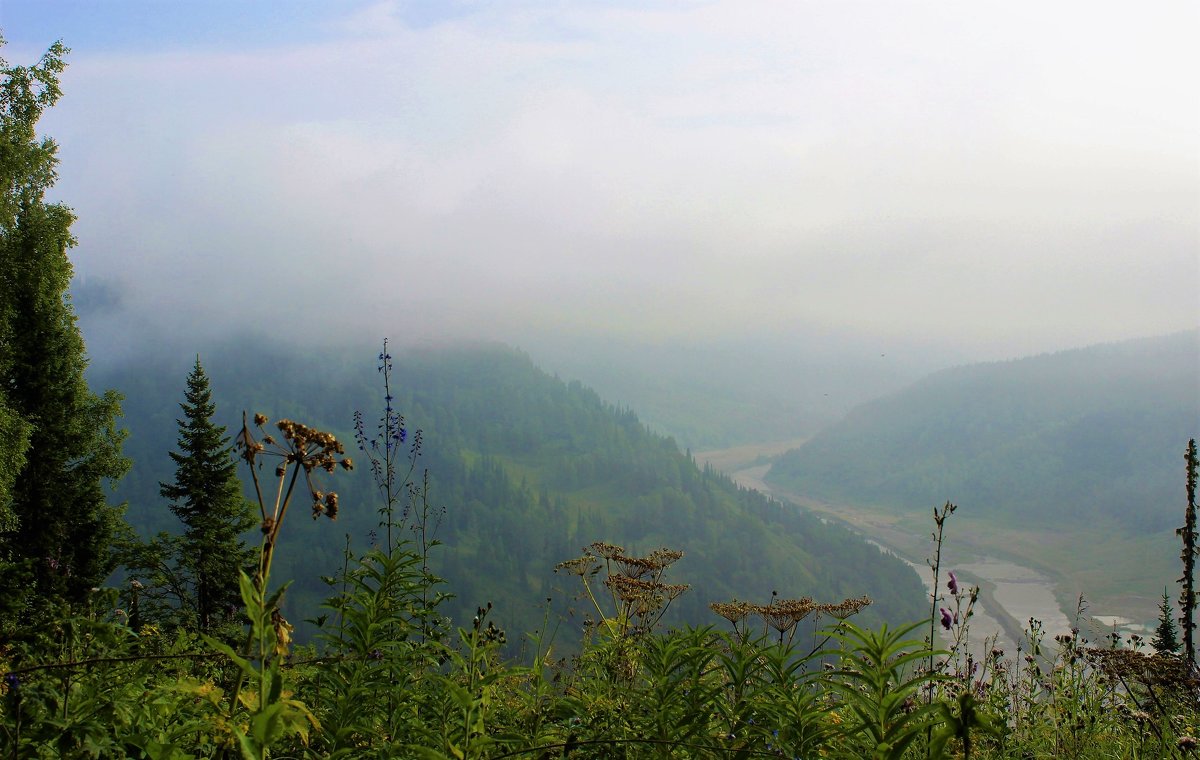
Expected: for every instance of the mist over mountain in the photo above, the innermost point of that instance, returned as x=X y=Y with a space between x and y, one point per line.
x=1073 y=437
x=716 y=392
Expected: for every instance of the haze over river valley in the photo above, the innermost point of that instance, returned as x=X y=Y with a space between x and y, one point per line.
x=1011 y=592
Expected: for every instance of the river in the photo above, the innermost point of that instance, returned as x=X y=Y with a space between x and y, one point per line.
x=1013 y=592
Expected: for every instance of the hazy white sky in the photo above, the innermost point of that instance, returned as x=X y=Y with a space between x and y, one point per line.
x=1013 y=176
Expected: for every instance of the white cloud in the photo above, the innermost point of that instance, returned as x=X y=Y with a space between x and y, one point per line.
x=1016 y=173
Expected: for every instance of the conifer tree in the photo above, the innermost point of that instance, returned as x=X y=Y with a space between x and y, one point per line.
x=57 y=541
x=1187 y=601
x=1166 y=637
x=207 y=498
x=14 y=441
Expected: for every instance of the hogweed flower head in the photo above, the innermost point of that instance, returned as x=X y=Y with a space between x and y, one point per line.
x=845 y=608
x=606 y=550
x=665 y=557
x=735 y=611
x=785 y=614
x=636 y=567
x=581 y=566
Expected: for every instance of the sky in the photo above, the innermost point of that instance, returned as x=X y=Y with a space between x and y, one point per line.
x=998 y=178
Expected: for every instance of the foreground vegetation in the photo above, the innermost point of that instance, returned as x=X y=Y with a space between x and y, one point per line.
x=389 y=677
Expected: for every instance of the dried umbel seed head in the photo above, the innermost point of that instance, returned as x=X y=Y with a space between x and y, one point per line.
x=665 y=557
x=636 y=567
x=260 y=419
x=672 y=591
x=325 y=504
x=1165 y=671
x=631 y=589
x=248 y=447
x=735 y=611
x=845 y=608
x=581 y=566
x=605 y=550
x=784 y=614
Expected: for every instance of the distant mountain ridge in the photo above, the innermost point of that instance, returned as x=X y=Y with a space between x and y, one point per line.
x=711 y=392
x=528 y=469
x=1095 y=432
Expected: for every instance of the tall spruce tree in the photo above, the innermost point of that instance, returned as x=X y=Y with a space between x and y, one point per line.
x=207 y=498
x=14 y=441
x=1166 y=637
x=57 y=540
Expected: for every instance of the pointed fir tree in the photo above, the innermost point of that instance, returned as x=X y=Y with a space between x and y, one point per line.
x=1166 y=637
x=207 y=498
x=55 y=542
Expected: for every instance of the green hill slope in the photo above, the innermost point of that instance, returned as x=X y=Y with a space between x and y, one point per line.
x=1054 y=440
x=525 y=471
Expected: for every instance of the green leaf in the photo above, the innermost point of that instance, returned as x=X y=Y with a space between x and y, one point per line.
x=227 y=650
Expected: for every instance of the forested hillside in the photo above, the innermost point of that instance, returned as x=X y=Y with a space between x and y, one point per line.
x=525 y=471
x=1083 y=435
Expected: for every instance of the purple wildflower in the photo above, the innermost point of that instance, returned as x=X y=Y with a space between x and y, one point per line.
x=953 y=583
x=947 y=618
